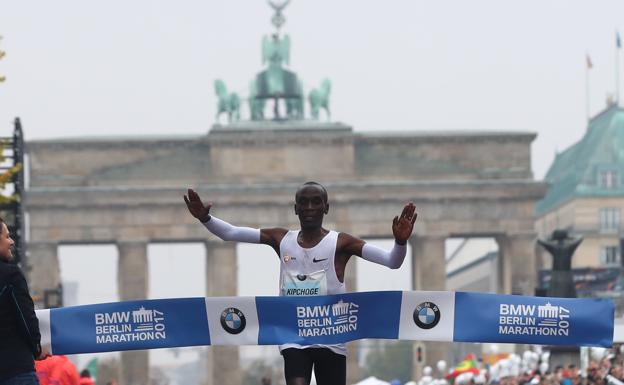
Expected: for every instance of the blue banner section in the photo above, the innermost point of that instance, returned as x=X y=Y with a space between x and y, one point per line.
x=331 y=319
x=131 y=325
x=328 y=319
x=533 y=320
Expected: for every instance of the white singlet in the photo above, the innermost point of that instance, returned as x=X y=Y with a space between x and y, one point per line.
x=309 y=272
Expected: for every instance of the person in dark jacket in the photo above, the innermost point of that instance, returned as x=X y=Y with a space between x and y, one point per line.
x=19 y=327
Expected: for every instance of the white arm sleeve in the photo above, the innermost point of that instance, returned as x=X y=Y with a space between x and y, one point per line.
x=227 y=232
x=392 y=259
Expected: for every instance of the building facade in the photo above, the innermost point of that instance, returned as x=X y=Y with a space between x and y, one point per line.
x=586 y=197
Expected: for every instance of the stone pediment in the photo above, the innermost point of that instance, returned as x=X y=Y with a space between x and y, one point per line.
x=280 y=153
x=181 y=166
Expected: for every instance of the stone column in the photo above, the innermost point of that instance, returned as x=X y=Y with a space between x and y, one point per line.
x=518 y=263
x=43 y=269
x=429 y=274
x=221 y=281
x=353 y=347
x=504 y=265
x=132 y=283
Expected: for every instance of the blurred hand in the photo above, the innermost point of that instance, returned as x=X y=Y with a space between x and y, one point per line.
x=403 y=226
x=196 y=207
x=45 y=353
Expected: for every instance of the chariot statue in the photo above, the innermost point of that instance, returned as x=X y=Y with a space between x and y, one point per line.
x=275 y=86
x=276 y=82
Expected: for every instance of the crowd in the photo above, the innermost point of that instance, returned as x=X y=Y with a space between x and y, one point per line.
x=604 y=367
x=59 y=370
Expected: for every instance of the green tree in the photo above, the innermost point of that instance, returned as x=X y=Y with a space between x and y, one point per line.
x=2 y=53
x=6 y=176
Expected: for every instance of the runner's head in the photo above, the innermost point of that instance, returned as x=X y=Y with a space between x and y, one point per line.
x=6 y=243
x=311 y=204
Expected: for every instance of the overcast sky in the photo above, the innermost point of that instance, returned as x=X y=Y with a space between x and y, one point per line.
x=81 y=68
x=86 y=68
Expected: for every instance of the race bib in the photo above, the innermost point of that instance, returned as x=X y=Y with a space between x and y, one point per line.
x=305 y=284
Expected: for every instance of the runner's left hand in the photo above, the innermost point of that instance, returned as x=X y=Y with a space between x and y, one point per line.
x=402 y=226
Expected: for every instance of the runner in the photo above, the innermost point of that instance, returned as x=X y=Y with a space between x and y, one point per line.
x=317 y=256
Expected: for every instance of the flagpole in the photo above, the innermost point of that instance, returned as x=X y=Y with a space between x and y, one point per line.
x=617 y=77
x=587 y=68
x=618 y=45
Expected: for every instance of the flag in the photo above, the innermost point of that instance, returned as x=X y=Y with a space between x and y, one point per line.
x=618 y=41
x=589 y=62
x=468 y=365
x=92 y=367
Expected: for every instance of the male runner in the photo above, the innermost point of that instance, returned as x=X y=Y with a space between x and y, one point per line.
x=318 y=255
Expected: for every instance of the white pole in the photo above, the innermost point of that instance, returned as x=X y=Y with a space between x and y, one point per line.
x=617 y=70
x=587 y=68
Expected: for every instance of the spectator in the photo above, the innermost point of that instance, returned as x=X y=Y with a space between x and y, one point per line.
x=19 y=327
x=85 y=378
x=63 y=372
x=43 y=368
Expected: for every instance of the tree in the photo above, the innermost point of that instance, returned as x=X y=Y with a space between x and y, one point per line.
x=2 y=53
x=12 y=184
x=7 y=175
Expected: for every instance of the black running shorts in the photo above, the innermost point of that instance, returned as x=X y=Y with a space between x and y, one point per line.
x=329 y=368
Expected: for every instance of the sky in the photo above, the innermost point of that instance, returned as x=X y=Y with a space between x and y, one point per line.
x=146 y=67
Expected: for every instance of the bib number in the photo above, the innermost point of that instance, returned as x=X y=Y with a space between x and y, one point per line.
x=305 y=284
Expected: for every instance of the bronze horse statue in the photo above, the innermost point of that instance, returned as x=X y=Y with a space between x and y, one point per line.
x=319 y=98
x=228 y=103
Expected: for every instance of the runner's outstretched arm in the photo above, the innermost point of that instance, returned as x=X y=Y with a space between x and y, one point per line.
x=225 y=230
x=401 y=228
x=228 y=232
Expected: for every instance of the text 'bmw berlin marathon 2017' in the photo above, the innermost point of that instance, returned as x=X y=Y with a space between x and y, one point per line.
x=129 y=326
x=327 y=320
x=541 y=320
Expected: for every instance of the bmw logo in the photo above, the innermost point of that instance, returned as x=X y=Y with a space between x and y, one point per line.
x=302 y=277
x=426 y=315
x=233 y=320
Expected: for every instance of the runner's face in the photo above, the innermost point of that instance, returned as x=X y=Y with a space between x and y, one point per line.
x=6 y=244
x=310 y=206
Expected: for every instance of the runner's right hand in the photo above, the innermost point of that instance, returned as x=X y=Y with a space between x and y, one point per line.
x=196 y=207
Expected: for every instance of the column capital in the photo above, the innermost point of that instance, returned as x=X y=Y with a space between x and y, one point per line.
x=517 y=236
x=427 y=237
x=43 y=244
x=219 y=243
x=132 y=242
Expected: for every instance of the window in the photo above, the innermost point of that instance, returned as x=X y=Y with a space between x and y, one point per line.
x=610 y=255
x=608 y=179
x=609 y=220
